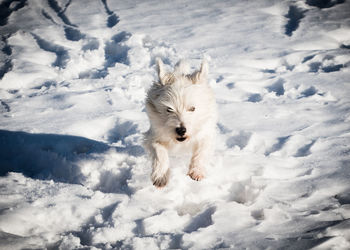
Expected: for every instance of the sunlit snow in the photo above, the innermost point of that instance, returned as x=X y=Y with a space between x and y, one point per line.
x=73 y=78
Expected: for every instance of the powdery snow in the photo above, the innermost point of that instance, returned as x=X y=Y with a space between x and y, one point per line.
x=73 y=80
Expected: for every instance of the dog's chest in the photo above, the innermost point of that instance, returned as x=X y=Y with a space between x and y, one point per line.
x=181 y=148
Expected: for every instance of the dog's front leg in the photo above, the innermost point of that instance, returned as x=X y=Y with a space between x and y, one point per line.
x=200 y=159
x=160 y=165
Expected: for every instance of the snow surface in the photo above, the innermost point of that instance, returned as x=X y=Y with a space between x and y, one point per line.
x=73 y=80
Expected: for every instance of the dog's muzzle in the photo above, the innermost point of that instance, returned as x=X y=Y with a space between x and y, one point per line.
x=181 y=131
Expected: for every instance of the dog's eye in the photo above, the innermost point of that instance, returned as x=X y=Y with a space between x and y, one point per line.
x=169 y=110
x=192 y=109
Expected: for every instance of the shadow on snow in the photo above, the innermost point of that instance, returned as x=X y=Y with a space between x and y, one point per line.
x=56 y=157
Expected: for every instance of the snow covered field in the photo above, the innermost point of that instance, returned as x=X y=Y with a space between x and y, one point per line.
x=74 y=74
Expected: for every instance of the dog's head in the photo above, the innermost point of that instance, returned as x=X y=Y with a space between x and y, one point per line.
x=179 y=103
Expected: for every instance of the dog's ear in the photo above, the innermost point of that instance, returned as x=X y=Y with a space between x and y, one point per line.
x=165 y=78
x=161 y=71
x=201 y=74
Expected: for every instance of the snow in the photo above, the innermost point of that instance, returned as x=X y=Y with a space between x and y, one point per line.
x=73 y=78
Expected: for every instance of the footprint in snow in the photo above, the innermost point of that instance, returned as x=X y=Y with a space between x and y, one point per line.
x=315 y=67
x=281 y=141
x=277 y=87
x=7 y=7
x=4 y=107
x=327 y=64
x=121 y=131
x=62 y=56
x=254 y=98
x=241 y=140
x=230 y=85
x=116 y=51
x=305 y=150
x=244 y=192
x=7 y=51
x=111 y=182
x=294 y=16
x=308 y=92
x=112 y=19
x=201 y=220
x=323 y=4
x=71 y=31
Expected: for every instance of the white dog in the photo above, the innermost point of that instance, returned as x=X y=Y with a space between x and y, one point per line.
x=182 y=112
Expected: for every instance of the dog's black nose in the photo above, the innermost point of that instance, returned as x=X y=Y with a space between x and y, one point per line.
x=180 y=131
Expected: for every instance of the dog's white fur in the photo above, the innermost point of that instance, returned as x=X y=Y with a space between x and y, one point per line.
x=176 y=101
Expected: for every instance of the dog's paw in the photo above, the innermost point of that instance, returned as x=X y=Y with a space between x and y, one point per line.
x=196 y=174
x=160 y=182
